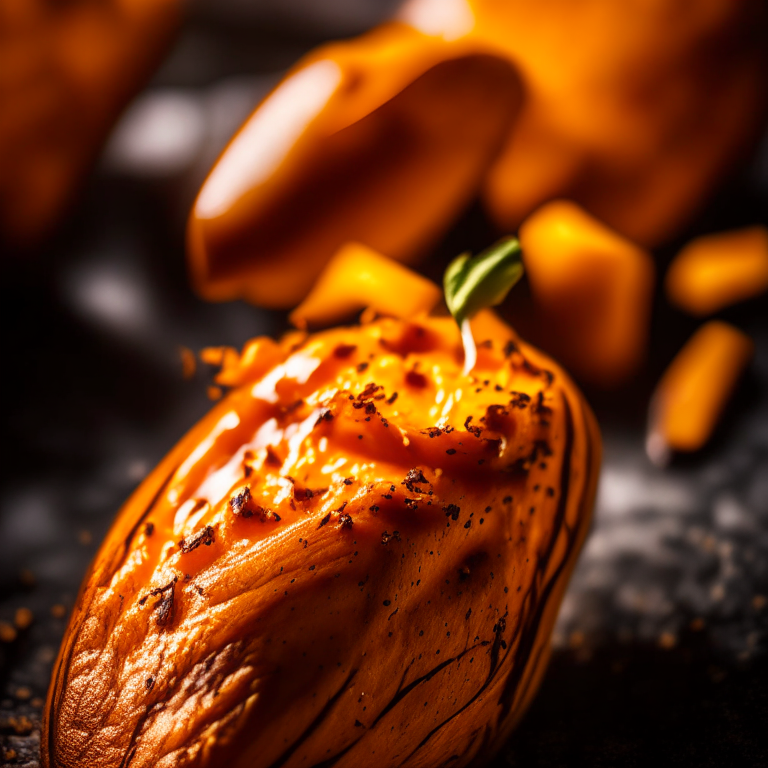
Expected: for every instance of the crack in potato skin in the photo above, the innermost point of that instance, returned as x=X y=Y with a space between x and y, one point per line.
x=321 y=573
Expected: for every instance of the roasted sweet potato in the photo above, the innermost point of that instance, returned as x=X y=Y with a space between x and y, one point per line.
x=355 y=559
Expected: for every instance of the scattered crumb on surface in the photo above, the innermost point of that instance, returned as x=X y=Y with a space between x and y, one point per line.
x=188 y=362
x=23 y=618
x=667 y=640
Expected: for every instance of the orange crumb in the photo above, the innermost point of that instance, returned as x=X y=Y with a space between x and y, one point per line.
x=21 y=725
x=695 y=389
x=715 y=271
x=23 y=618
x=218 y=356
x=667 y=640
x=7 y=632
x=188 y=362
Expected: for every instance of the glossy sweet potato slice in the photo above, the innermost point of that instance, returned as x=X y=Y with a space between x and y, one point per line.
x=354 y=560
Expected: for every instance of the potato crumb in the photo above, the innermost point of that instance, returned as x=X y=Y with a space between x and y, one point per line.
x=7 y=632
x=24 y=617
x=667 y=640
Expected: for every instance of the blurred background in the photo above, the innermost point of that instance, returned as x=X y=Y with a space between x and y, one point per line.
x=660 y=648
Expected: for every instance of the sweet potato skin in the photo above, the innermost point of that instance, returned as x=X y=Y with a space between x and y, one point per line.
x=324 y=573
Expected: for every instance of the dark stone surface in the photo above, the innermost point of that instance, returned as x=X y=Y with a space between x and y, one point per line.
x=660 y=649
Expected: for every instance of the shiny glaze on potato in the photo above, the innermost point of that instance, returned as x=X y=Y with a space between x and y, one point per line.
x=355 y=559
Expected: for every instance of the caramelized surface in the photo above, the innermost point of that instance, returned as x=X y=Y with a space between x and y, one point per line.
x=355 y=559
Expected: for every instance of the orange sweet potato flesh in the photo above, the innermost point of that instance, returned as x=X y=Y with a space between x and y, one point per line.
x=386 y=153
x=717 y=270
x=354 y=560
x=693 y=392
x=635 y=111
x=592 y=292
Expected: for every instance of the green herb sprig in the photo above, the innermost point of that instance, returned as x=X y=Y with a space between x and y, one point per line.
x=472 y=283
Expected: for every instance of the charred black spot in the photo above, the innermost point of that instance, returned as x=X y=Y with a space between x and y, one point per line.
x=541 y=409
x=519 y=400
x=324 y=521
x=413 y=477
x=243 y=505
x=386 y=537
x=240 y=503
x=473 y=430
x=370 y=390
x=510 y=348
x=326 y=415
x=343 y=351
x=204 y=536
x=166 y=602
x=416 y=379
x=273 y=459
x=305 y=494
x=345 y=521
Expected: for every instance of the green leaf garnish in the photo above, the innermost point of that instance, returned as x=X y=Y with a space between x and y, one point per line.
x=472 y=283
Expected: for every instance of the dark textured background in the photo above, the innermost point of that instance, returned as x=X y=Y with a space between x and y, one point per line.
x=660 y=650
